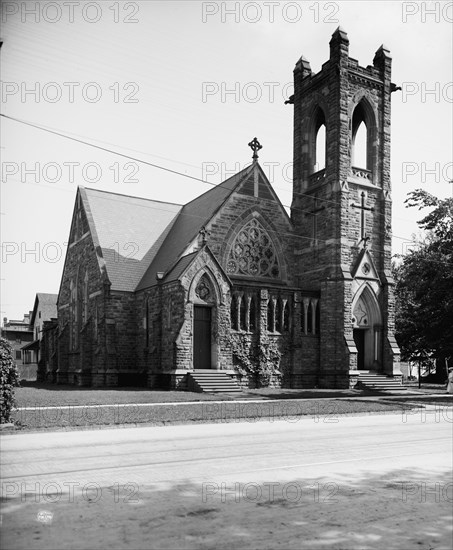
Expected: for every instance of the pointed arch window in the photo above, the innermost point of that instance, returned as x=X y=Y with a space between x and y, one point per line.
x=252 y=314
x=85 y=298
x=320 y=159
x=243 y=313
x=363 y=130
x=318 y=140
x=234 y=313
x=309 y=327
x=146 y=322
x=74 y=317
x=286 y=316
x=278 y=315
x=253 y=253
x=270 y=315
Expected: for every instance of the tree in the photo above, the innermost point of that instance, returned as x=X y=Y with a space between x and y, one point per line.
x=424 y=284
x=9 y=379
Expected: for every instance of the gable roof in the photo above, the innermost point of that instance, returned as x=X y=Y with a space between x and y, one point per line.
x=48 y=304
x=129 y=231
x=193 y=216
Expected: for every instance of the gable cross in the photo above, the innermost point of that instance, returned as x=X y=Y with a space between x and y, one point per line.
x=363 y=208
x=255 y=145
x=314 y=213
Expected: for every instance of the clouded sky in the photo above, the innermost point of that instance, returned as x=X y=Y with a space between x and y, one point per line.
x=185 y=86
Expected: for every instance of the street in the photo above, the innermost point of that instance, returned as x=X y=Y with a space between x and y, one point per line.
x=374 y=481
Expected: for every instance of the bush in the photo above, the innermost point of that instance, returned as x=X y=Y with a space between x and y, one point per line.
x=9 y=379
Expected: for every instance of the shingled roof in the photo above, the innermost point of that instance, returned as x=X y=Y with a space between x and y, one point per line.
x=129 y=231
x=193 y=216
x=138 y=238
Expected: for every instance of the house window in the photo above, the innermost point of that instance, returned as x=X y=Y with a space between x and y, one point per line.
x=18 y=354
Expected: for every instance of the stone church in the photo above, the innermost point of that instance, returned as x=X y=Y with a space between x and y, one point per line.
x=154 y=292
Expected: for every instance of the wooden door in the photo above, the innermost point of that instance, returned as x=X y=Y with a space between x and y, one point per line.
x=202 y=338
x=359 y=339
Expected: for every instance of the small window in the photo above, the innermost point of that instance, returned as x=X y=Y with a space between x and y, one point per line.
x=278 y=316
x=234 y=313
x=252 y=320
x=309 y=328
x=270 y=315
x=286 y=317
x=18 y=354
x=40 y=315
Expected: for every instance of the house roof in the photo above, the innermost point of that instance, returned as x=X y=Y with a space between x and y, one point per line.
x=129 y=231
x=193 y=216
x=48 y=304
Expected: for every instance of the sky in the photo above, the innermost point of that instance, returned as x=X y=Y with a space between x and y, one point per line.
x=170 y=93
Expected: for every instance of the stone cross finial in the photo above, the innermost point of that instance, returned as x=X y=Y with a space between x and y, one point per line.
x=203 y=234
x=255 y=145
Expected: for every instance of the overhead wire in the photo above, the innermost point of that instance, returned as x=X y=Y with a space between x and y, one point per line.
x=153 y=165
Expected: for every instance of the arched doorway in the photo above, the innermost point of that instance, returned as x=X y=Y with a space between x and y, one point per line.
x=367 y=329
x=204 y=297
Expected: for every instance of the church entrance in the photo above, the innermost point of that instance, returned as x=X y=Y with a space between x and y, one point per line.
x=202 y=337
x=367 y=330
x=359 y=339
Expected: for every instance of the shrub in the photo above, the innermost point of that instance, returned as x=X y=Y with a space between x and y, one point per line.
x=9 y=379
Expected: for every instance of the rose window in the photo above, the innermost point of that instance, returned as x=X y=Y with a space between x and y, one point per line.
x=253 y=253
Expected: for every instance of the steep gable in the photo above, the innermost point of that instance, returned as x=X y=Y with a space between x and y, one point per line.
x=190 y=220
x=127 y=232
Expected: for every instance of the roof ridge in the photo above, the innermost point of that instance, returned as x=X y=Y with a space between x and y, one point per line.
x=131 y=196
x=238 y=175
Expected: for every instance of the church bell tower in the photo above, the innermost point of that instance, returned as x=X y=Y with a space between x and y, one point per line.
x=341 y=209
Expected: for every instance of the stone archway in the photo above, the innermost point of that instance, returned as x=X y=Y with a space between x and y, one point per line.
x=367 y=329
x=204 y=296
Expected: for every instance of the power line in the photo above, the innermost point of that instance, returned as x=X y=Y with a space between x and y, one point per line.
x=111 y=151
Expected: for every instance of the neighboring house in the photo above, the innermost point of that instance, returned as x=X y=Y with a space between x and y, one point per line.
x=19 y=333
x=44 y=310
x=151 y=291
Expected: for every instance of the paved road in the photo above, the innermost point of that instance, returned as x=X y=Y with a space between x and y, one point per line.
x=355 y=482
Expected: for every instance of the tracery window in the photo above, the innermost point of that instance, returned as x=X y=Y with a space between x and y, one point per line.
x=252 y=253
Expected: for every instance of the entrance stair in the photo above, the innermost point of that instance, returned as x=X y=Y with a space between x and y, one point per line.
x=373 y=381
x=210 y=380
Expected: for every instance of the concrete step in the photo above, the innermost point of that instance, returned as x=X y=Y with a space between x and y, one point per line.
x=212 y=381
x=376 y=381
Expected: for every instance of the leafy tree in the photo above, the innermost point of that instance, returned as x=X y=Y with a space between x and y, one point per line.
x=424 y=289
x=9 y=379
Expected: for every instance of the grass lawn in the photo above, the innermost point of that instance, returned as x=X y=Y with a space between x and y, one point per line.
x=34 y=394
x=121 y=406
